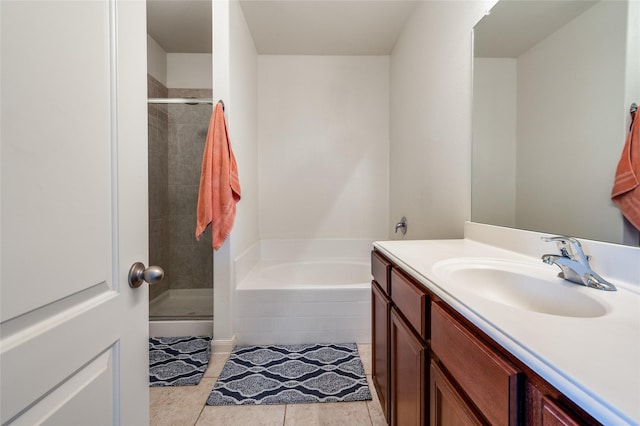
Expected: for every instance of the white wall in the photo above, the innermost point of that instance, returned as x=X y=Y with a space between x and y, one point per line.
x=189 y=70
x=494 y=135
x=578 y=75
x=179 y=70
x=324 y=146
x=156 y=61
x=430 y=120
x=222 y=270
x=242 y=110
x=234 y=81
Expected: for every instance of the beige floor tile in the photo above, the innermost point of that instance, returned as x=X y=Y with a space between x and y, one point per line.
x=372 y=388
x=178 y=405
x=216 y=362
x=364 y=349
x=329 y=414
x=375 y=409
x=376 y=415
x=241 y=415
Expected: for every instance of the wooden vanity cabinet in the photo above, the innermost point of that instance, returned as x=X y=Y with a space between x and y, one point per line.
x=409 y=374
x=409 y=369
x=380 y=355
x=412 y=300
x=400 y=327
x=380 y=317
x=447 y=405
x=547 y=407
x=432 y=366
x=553 y=415
x=491 y=383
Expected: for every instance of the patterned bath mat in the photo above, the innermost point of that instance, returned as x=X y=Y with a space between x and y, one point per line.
x=178 y=361
x=291 y=374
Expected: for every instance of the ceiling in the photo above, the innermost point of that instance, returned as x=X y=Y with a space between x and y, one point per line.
x=320 y=27
x=286 y=27
x=180 y=26
x=514 y=26
x=350 y=27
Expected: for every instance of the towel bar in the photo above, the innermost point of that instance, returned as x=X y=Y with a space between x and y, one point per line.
x=188 y=101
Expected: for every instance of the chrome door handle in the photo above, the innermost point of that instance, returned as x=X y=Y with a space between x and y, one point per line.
x=138 y=273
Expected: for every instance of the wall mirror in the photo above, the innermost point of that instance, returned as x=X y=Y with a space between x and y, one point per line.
x=550 y=116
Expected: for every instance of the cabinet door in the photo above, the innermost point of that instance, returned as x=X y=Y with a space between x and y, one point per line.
x=447 y=407
x=408 y=375
x=380 y=307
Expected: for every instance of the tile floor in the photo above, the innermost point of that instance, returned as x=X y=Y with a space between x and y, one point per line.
x=182 y=406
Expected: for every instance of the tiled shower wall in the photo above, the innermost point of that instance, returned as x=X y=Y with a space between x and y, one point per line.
x=158 y=131
x=191 y=261
x=177 y=135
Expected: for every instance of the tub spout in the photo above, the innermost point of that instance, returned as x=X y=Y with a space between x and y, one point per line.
x=402 y=225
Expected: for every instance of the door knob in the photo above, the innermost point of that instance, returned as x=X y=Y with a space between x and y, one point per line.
x=138 y=273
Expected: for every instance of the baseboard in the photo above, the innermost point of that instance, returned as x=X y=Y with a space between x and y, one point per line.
x=223 y=346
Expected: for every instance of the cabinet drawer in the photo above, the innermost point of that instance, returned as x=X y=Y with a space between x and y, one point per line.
x=380 y=269
x=553 y=415
x=412 y=300
x=490 y=381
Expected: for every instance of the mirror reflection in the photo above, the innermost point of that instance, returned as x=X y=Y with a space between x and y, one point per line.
x=550 y=116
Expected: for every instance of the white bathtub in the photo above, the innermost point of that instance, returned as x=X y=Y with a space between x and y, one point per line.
x=303 y=291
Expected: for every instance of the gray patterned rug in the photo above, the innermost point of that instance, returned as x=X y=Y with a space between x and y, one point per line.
x=178 y=361
x=291 y=374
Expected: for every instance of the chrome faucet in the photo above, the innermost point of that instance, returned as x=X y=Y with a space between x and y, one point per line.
x=575 y=264
x=402 y=225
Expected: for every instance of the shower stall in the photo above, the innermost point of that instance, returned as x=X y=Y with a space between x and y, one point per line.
x=178 y=123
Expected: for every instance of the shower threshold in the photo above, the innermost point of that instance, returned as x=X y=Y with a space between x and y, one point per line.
x=182 y=304
x=180 y=328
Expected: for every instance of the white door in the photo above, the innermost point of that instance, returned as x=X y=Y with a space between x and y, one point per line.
x=73 y=213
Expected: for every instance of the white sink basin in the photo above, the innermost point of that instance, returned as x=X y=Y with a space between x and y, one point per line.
x=523 y=285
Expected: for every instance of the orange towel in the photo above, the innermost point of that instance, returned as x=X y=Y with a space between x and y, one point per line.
x=626 y=189
x=219 y=185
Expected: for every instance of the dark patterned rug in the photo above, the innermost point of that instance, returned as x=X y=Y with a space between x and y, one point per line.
x=291 y=374
x=178 y=361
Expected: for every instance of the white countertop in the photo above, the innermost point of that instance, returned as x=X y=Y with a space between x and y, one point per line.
x=594 y=361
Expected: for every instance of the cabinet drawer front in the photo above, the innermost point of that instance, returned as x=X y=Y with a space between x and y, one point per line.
x=552 y=414
x=380 y=269
x=412 y=301
x=489 y=380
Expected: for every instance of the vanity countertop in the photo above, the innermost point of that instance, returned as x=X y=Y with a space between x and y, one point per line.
x=594 y=361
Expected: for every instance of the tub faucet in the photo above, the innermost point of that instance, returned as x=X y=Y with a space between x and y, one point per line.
x=575 y=264
x=402 y=225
